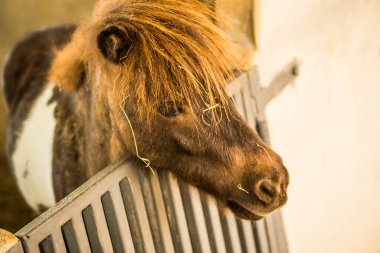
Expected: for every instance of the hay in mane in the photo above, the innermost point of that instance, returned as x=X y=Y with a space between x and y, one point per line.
x=177 y=53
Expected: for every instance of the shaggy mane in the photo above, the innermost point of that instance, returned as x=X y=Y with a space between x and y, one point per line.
x=178 y=53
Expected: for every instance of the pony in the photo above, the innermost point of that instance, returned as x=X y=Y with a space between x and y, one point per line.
x=140 y=77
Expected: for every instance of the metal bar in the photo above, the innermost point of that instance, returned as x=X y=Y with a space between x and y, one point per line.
x=233 y=231
x=248 y=236
x=243 y=243
x=254 y=81
x=238 y=99
x=272 y=236
x=180 y=215
x=161 y=213
x=91 y=229
x=80 y=232
x=236 y=85
x=208 y=222
x=132 y=215
x=199 y=219
x=58 y=242
x=249 y=106
x=140 y=211
x=276 y=233
x=112 y=223
x=216 y=226
x=101 y=224
x=151 y=211
x=167 y=196
x=46 y=245
x=69 y=237
x=280 y=232
x=226 y=234
x=121 y=218
x=190 y=218
x=261 y=237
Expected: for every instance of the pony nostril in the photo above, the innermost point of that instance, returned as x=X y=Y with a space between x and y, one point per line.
x=268 y=191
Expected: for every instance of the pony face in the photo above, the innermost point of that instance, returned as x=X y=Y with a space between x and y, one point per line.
x=226 y=158
x=160 y=68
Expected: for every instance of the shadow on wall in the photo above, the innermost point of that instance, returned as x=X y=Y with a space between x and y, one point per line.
x=17 y=18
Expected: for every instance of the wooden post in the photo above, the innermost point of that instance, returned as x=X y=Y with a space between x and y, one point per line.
x=9 y=243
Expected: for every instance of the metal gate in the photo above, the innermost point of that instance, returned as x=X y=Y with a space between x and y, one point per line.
x=126 y=209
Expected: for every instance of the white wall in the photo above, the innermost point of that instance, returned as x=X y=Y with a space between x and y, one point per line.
x=326 y=126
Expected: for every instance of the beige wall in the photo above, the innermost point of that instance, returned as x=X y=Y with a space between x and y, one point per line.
x=327 y=124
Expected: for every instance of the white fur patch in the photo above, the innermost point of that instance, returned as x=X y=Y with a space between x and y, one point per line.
x=33 y=157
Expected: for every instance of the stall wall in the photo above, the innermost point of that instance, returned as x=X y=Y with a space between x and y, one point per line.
x=326 y=125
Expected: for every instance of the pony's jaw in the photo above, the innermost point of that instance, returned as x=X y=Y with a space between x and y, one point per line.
x=243 y=212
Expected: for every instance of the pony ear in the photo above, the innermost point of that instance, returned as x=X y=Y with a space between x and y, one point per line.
x=114 y=43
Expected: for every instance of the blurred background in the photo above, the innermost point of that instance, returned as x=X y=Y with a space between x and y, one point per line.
x=325 y=126
x=18 y=17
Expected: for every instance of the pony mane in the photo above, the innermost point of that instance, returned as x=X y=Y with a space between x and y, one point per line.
x=178 y=53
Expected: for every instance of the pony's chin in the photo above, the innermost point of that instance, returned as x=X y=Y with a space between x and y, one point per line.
x=242 y=212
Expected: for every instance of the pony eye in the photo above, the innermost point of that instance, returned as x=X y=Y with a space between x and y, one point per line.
x=170 y=109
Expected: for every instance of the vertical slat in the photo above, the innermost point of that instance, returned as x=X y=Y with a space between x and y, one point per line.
x=243 y=243
x=137 y=201
x=225 y=229
x=69 y=236
x=102 y=228
x=91 y=229
x=162 y=216
x=248 y=236
x=216 y=226
x=112 y=223
x=190 y=219
x=239 y=103
x=180 y=213
x=81 y=234
x=199 y=219
x=254 y=81
x=170 y=211
x=208 y=222
x=58 y=242
x=272 y=236
x=151 y=211
x=132 y=215
x=234 y=233
x=30 y=247
x=249 y=106
x=282 y=243
x=46 y=245
x=120 y=213
x=156 y=212
x=261 y=237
